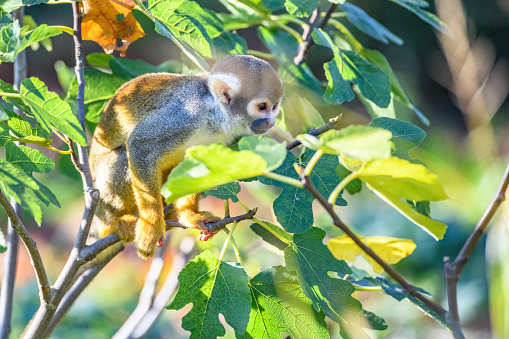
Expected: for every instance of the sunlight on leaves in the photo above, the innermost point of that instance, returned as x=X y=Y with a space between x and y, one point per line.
x=391 y=250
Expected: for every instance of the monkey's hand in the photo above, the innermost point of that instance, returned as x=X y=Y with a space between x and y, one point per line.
x=199 y=220
x=148 y=236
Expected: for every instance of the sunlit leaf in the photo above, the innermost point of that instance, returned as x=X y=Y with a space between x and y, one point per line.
x=269 y=237
x=31 y=160
x=270 y=150
x=390 y=250
x=279 y=306
x=312 y=261
x=49 y=109
x=226 y=191
x=212 y=287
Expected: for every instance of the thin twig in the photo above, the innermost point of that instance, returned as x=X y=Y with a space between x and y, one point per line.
x=316 y=131
x=35 y=256
x=11 y=255
x=215 y=225
x=305 y=47
x=143 y=323
x=453 y=270
x=75 y=291
x=411 y=290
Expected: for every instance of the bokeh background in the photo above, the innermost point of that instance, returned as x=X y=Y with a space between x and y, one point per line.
x=460 y=82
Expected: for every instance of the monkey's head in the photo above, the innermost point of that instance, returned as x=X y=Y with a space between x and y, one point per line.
x=249 y=92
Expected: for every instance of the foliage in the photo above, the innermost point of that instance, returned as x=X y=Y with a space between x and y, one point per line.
x=313 y=284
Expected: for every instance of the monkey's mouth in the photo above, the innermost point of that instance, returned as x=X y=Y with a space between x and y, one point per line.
x=261 y=125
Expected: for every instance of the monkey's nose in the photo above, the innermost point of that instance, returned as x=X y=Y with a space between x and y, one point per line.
x=262 y=125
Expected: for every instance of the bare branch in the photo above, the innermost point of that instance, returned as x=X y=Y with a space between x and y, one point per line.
x=317 y=131
x=35 y=256
x=411 y=290
x=305 y=47
x=75 y=291
x=453 y=270
x=11 y=256
x=149 y=309
x=216 y=225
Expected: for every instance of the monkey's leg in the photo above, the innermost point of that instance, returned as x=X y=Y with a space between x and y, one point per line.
x=188 y=214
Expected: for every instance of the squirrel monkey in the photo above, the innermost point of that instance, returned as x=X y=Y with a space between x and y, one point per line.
x=146 y=128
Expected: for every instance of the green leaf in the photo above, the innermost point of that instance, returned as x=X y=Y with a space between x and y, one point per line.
x=279 y=306
x=31 y=160
x=360 y=19
x=376 y=323
x=10 y=41
x=293 y=207
x=205 y=167
x=16 y=101
x=45 y=195
x=301 y=8
x=29 y=201
x=270 y=150
x=430 y=18
x=222 y=39
x=40 y=33
x=48 y=109
x=282 y=44
x=99 y=59
x=3 y=244
x=350 y=66
x=357 y=142
x=397 y=90
x=33 y=2
x=403 y=179
x=212 y=287
x=274 y=5
x=4 y=134
x=5 y=18
x=181 y=26
x=433 y=227
x=226 y=191
x=10 y=5
x=3 y=115
x=13 y=175
x=405 y=136
x=270 y=238
x=99 y=90
x=312 y=261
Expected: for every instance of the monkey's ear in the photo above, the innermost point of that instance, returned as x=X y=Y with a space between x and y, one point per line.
x=224 y=87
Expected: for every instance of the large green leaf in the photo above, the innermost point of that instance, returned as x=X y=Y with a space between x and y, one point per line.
x=312 y=261
x=351 y=66
x=206 y=167
x=430 y=18
x=49 y=109
x=181 y=26
x=293 y=207
x=31 y=160
x=13 y=175
x=279 y=306
x=403 y=179
x=405 y=136
x=213 y=287
x=39 y=34
x=270 y=150
x=360 y=19
x=99 y=90
x=397 y=90
x=355 y=141
x=269 y=237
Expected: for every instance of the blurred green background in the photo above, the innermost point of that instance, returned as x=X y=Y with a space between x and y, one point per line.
x=460 y=83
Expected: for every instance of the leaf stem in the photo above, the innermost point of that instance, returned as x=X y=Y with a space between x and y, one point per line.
x=264 y=225
x=235 y=247
x=312 y=163
x=10 y=95
x=223 y=251
x=283 y=179
x=263 y=55
x=335 y=193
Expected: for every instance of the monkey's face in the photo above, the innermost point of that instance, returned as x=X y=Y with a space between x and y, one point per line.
x=264 y=112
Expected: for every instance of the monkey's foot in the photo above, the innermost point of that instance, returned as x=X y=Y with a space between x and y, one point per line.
x=146 y=242
x=206 y=235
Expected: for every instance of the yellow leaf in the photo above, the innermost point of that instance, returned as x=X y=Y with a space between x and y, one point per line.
x=391 y=250
x=109 y=21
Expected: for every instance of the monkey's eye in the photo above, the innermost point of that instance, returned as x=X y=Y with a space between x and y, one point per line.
x=262 y=106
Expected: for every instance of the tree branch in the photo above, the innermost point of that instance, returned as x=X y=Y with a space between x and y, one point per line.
x=453 y=270
x=411 y=290
x=35 y=256
x=317 y=131
x=150 y=306
x=11 y=256
x=305 y=47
